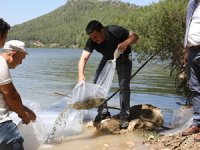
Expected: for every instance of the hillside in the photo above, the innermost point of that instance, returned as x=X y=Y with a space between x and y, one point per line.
x=65 y=26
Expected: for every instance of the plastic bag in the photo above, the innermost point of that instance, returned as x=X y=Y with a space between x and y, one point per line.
x=34 y=134
x=106 y=76
x=90 y=95
x=117 y=53
x=84 y=96
x=182 y=119
x=178 y=129
x=181 y=116
x=87 y=95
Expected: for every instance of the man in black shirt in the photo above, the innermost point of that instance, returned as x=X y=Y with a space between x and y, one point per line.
x=106 y=40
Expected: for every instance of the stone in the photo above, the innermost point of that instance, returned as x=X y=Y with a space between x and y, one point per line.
x=144 y=116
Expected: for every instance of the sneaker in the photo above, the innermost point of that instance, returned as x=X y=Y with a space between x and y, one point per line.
x=123 y=123
x=191 y=130
x=197 y=137
x=101 y=117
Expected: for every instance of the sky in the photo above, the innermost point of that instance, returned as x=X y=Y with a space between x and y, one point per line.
x=18 y=11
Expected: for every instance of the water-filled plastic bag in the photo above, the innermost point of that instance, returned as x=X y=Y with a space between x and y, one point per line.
x=34 y=134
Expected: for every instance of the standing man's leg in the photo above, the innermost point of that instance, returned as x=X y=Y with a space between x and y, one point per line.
x=194 y=86
x=124 y=67
x=103 y=112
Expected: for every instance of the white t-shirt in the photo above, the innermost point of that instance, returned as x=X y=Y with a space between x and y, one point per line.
x=5 y=78
x=194 y=30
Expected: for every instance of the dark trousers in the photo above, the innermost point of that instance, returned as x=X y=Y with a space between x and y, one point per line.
x=194 y=83
x=123 y=67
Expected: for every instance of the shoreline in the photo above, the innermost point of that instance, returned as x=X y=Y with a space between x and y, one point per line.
x=91 y=139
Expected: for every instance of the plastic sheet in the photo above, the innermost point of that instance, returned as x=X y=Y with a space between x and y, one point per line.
x=181 y=119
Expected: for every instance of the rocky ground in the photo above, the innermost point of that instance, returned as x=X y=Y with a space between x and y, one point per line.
x=143 y=116
x=146 y=122
x=172 y=142
x=149 y=127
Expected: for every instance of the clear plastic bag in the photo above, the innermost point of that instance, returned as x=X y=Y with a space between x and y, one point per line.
x=84 y=96
x=117 y=53
x=34 y=134
x=181 y=116
x=181 y=119
x=89 y=95
x=106 y=76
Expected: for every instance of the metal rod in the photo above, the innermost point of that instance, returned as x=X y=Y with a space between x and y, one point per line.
x=133 y=75
x=111 y=107
x=164 y=127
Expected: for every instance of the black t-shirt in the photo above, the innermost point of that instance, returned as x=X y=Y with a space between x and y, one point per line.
x=114 y=36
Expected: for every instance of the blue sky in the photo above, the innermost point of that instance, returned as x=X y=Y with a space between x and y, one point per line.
x=19 y=11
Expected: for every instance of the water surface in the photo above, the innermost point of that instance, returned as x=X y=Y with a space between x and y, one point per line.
x=47 y=75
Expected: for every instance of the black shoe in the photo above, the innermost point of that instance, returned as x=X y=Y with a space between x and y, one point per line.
x=123 y=124
x=101 y=117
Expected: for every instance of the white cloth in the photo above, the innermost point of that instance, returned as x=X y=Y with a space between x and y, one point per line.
x=194 y=30
x=5 y=78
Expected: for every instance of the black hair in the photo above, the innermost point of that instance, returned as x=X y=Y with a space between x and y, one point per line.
x=4 y=27
x=94 y=25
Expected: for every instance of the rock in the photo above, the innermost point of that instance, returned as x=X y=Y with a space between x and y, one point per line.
x=89 y=124
x=144 y=116
x=132 y=124
x=150 y=117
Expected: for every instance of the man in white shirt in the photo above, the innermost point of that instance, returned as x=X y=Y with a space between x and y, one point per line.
x=12 y=55
x=192 y=45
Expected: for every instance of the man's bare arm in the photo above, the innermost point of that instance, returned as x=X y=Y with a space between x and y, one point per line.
x=82 y=63
x=14 y=102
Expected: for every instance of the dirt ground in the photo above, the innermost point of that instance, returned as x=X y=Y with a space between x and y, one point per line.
x=139 y=139
x=171 y=142
x=136 y=137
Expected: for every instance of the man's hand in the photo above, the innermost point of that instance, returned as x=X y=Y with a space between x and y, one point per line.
x=122 y=47
x=31 y=114
x=27 y=116
x=14 y=103
x=24 y=117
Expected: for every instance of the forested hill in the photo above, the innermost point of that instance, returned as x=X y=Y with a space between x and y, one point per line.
x=160 y=26
x=65 y=26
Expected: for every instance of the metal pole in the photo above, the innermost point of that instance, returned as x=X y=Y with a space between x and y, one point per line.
x=133 y=75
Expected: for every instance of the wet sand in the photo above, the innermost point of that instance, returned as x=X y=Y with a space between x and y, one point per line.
x=91 y=139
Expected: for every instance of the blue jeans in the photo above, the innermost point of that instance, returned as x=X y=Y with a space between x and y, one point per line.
x=123 y=67
x=194 y=83
x=10 y=138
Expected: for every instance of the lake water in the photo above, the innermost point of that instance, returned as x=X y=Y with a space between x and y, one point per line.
x=47 y=75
